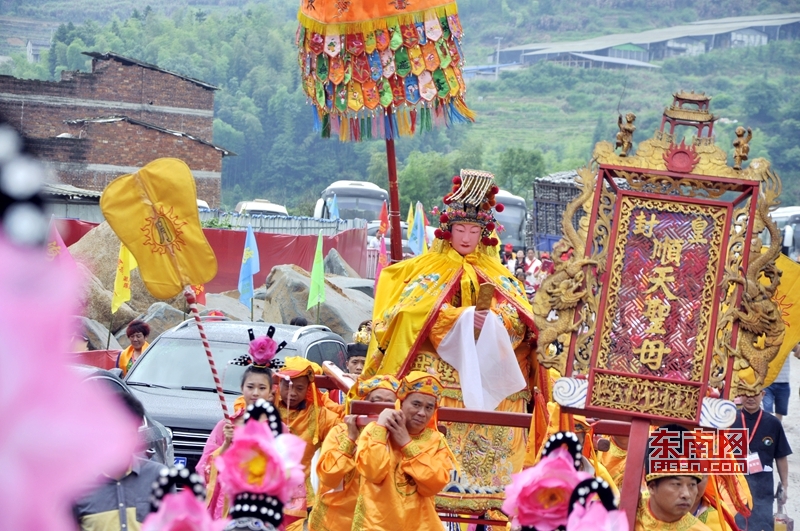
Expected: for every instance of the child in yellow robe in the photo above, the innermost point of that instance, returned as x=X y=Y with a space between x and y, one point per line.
x=404 y=462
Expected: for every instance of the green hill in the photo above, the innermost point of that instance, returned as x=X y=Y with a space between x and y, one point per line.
x=547 y=116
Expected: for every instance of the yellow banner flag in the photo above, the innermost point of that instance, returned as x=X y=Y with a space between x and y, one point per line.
x=410 y=220
x=122 y=283
x=788 y=298
x=154 y=213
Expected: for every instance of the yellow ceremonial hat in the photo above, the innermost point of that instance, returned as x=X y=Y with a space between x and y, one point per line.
x=419 y=382
x=678 y=472
x=386 y=381
x=296 y=366
x=581 y=423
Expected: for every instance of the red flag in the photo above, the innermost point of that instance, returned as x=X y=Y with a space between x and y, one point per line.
x=383 y=261
x=384 y=219
x=56 y=250
x=200 y=293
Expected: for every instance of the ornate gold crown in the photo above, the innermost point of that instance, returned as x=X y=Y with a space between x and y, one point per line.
x=361 y=337
x=471 y=201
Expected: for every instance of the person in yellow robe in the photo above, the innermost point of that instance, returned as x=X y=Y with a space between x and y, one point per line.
x=302 y=409
x=719 y=503
x=336 y=468
x=668 y=501
x=404 y=462
x=614 y=458
x=590 y=463
x=426 y=316
x=667 y=504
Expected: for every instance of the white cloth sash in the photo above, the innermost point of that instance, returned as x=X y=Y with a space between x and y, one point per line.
x=488 y=369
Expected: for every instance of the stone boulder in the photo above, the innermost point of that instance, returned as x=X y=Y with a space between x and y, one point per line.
x=233 y=294
x=98 y=336
x=364 y=285
x=96 y=303
x=161 y=317
x=287 y=297
x=206 y=312
x=231 y=306
x=336 y=265
x=99 y=251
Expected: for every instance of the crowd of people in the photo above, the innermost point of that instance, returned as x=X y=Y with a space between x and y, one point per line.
x=530 y=267
x=440 y=338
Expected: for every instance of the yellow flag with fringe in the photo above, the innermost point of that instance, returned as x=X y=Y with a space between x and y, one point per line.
x=154 y=214
x=122 y=282
x=787 y=297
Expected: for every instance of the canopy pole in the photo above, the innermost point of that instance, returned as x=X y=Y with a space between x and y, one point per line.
x=394 y=203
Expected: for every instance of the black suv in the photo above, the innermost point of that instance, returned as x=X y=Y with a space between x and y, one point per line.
x=173 y=380
x=156 y=436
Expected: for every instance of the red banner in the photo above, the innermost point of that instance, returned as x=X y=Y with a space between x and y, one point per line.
x=280 y=249
x=273 y=249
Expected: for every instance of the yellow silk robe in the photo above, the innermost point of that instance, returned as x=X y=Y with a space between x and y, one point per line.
x=417 y=303
x=398 y=485
x=645 y=521
x=614 y=461
x=338 y=483
x=302 y=422
x=711 y=518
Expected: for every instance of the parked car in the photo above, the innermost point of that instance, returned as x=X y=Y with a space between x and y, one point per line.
x=173 y=380
x=158 y=437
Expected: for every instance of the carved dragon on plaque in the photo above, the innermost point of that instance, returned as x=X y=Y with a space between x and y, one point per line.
x=555 y=301
x=761 y=324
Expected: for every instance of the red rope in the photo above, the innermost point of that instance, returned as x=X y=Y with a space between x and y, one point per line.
x=190 y=298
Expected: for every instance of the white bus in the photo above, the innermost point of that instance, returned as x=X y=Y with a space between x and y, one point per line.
x=261 y=207
x=788 y=220
x=354 y=199
x=514 y=218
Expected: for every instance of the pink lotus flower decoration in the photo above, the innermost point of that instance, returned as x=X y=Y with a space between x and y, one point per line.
x=539 y=496
x=261 y=463
x=182 y=512
x=596 y=518
x=262 y=350
x=59 y=434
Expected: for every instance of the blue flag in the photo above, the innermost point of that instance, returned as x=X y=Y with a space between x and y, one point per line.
x=250 y=266
x=416 y=241
x=333 y=207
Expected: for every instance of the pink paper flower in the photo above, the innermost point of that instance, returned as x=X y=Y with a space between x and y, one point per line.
x=59 y=434
x=596 y=518
x=182 y=512
x=262 y=350
x=539 y=496
x=259 y=462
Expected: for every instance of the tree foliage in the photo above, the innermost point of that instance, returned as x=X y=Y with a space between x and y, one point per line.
x=531 y=121
x=518 y=169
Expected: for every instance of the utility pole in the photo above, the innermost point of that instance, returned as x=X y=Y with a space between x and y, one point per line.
x=497 y=59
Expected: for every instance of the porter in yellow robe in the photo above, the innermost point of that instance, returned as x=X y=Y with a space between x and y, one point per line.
x=417 y=304
x=309 y=420
x=338 y=483
x=338 y=480
x=398 y=484
x=614 y=461
x=645 y=521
